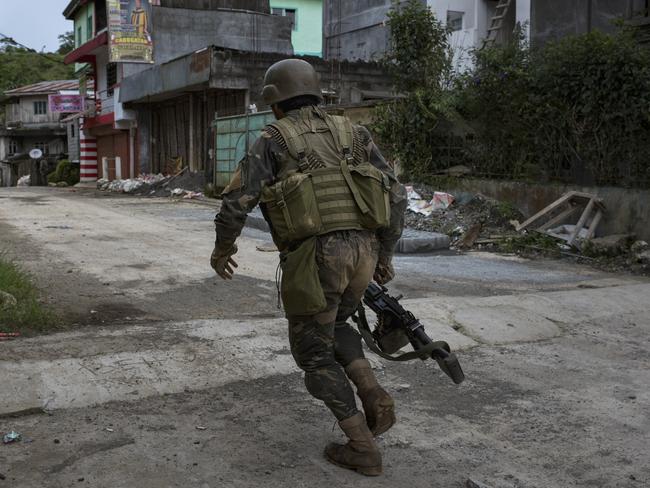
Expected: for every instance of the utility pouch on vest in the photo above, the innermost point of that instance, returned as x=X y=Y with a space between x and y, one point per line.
x=370 y=188
x=292 y=208
x=301 y=290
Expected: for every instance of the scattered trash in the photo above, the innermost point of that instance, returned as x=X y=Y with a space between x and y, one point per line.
x=267 y=248
x=591 y=210
x=440 y=201
x=24 y=181
x=177 y=192
x=8 y=336
x=192 y=194
x=10 y=437
x=200 y=427
x=108 y=429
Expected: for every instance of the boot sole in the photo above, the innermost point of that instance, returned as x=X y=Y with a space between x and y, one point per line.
x=382 y=428
x=364 y=470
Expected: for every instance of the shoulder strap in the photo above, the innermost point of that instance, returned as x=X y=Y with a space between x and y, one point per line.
x=343 y=134
x=295 y=141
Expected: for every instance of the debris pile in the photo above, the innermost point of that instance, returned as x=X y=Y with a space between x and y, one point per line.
x=184 y=184
x=470 y=220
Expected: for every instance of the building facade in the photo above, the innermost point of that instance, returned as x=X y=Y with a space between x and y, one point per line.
x=306 y=18
x=176 y=28
x=30 y=124
x=357 y=30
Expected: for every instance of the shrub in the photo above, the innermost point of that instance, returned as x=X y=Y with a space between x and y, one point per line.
x=65 y=171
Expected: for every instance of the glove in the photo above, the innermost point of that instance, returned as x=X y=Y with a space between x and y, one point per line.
x=384 y=271
x=223 y=263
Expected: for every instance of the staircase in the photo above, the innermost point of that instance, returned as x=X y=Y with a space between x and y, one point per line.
x=496 y=24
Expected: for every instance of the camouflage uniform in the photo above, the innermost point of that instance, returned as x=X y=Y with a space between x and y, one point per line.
x=322 y=344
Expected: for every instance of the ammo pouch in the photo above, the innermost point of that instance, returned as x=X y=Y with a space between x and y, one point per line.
x=328 y=199
x=301 y=290
x=370 y=188
x=292 y=208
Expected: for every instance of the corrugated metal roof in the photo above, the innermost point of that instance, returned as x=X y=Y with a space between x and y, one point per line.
x=44 y=87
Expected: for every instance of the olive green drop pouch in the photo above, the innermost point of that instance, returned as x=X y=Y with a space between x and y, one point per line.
x=301 y=290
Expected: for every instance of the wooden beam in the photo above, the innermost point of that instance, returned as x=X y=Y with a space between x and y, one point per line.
x=565 y=198
x=581 y=223
x=559 y=218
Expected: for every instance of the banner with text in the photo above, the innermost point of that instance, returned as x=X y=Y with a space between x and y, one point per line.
x=66 y=103
x=129 y=30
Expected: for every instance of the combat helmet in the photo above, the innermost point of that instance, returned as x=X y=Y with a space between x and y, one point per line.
x=290 y=78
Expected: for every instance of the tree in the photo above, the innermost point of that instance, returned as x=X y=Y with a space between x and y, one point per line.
x=419 y=62
x=66 y=43
x=22 y=66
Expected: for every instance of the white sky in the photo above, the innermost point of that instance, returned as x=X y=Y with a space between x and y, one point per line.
x=35 y=23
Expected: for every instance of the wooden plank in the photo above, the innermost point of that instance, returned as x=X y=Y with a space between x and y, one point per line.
x=565 y=198
x=594 y=224
x=581 y=223
x=559 y=218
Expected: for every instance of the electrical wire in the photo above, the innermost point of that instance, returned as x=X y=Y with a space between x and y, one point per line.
x=13 y=42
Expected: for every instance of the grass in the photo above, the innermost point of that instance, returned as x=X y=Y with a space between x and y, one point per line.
x=29 y=315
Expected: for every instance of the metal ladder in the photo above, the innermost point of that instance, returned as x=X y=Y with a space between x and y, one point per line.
x=496 y=24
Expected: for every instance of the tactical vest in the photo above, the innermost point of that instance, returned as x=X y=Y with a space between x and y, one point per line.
x=321 y=187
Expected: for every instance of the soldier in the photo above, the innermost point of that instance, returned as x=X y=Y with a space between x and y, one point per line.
x=336 y=211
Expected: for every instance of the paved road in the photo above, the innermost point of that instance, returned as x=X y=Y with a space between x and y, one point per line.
x=174 y=378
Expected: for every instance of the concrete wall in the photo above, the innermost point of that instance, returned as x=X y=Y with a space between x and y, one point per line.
x=307 y=35
x=628 y=210
x=252 y=5
x=178 y=31
x=355 y=30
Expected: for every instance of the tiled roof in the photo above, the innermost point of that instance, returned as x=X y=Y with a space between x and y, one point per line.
x=44 y=87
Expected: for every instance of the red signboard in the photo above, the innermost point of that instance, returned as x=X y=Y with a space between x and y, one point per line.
x=66 y=103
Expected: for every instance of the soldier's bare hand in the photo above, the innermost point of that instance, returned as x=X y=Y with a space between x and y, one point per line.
x=223 y=263
x=384 y=271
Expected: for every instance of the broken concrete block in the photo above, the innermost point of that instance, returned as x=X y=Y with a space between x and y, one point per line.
x=7 y=300
x=639 y=247
x=418 y=241
x=612 y=245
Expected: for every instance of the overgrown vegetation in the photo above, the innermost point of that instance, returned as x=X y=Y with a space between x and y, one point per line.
x=65 y=172
x=576 y=110
x=23 y=66
x=27 y=314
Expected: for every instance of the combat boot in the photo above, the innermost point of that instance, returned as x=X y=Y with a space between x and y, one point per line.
x=360 y=453
x=377 y=403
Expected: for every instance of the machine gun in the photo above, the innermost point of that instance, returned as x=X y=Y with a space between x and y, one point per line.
x=396 y=327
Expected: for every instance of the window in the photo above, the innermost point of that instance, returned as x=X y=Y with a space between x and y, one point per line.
x=78 y=40
x=43 y=146
x=286 y=12
x=40 y=108
x=455 y=20
x=13 y=146
x=72 y=130
x=111 y=78
x=89 y=27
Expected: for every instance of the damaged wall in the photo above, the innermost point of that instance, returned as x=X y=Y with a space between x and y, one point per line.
x=178 y=31
x=628 y=210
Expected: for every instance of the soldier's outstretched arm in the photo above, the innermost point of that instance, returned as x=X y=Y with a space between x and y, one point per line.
x=240 y=197
x=388 y=236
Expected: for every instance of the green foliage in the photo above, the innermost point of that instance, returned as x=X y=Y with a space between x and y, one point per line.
x=419 y=62
x=28 y=313
x=65 y=171
x=577 y=110
x=66 y=43
x=21 y=66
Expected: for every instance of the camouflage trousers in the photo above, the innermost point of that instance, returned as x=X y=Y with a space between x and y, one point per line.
x=323 y=344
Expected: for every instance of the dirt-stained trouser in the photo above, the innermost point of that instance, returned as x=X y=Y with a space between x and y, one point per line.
x=324 y=344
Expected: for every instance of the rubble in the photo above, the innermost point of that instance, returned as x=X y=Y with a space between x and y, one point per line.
x=24 y=181
x=184 y=184
x=471 y=220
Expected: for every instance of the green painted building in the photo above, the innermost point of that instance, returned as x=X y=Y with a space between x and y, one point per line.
x=307 y=17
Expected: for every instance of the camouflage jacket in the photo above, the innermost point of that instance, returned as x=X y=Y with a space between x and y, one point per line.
x=260 y=168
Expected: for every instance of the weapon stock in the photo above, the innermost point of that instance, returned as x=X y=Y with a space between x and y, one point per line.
x=396 y=322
